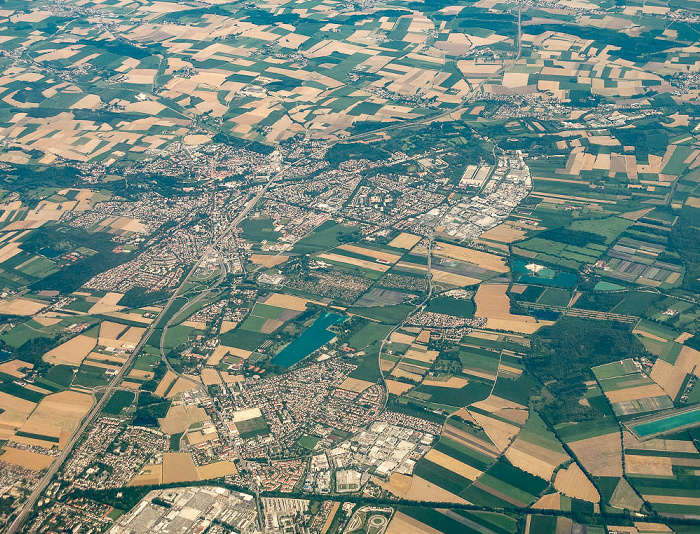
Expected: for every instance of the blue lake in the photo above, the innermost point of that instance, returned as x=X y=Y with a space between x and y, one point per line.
x=544 y=277
x=672 y=422
x=312 y=339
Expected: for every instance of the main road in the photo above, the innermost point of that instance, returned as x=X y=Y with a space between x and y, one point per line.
x=97 y=408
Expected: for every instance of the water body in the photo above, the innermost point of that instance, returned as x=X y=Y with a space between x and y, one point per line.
x=666 y=424
x=543 y=277
x=311 y=340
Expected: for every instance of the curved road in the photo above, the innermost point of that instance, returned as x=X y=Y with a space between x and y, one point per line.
x=97 y=408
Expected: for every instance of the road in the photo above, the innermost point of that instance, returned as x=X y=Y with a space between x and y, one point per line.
x=97 y=408
x=420 y=307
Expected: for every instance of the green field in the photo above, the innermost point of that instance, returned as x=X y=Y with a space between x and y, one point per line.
x=252 y=428
x=118 y=401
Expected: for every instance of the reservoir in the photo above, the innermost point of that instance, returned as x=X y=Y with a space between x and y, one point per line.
x=312 y=339
x=666 y=424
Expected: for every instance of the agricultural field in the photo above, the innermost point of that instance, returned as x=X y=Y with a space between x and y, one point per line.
x=436 y=253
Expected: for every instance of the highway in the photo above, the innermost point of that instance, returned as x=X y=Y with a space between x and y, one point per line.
x=97 y=408
x=29 y=504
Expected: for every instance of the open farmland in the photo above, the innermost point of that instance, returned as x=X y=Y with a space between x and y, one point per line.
x=382 y=254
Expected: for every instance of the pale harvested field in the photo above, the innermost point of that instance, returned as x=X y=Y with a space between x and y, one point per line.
x=453 y=465
x=499 y=432
x=505 y=233
x=165 y=383
x=489 y=375
x=132 y=336
x=422 y=490
x=268 y=260
x=72 y=352
x=519 y=417
x=419 y=489
x=535 y=459
x=58 y=413
x=652 y=528
x=107 y=304
x=502 y=368
x=222 y=351
x=484 y=447
x=631 y=394
x=20 y=306
x=397 y=388
x=484 y=260
x=601 y=455
x=15 y=414
x=364 y=264
x=10 y=250
x=139 y=374
x=403 y=524
x=685 y=336
x=371 y=253
x=423 y=336
x=181 y=385
x=428 y=356
x=492 y=302
x=574 y=483
x=484 y=335
x=178 y=419
x=47 y=321
x=227 y=326
x=246 y=414
x=200 y=436
x=670 y=378
x=649 y=335
x=14 y=368
x=453 y=279
x=356 y=385
x=405 y=241
x=150 y=475
x=649 y=465
x=635 y=215
x=331 y=516
x=529 y=463
x=216 y=470
x=287 y=301
x=103 y=362
x=401 y=483
x=131 y=385
x=454 y=382
x=178 y=467
x=671 y=499
x=131 y=316
x=399 y=337
x=110 y=330
x=31 y=460
x=400 y=373
x=386 y=365
x=551 y=501
x=494 y=403
x=659 y=444
x=210 y=377
x=195 y=324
